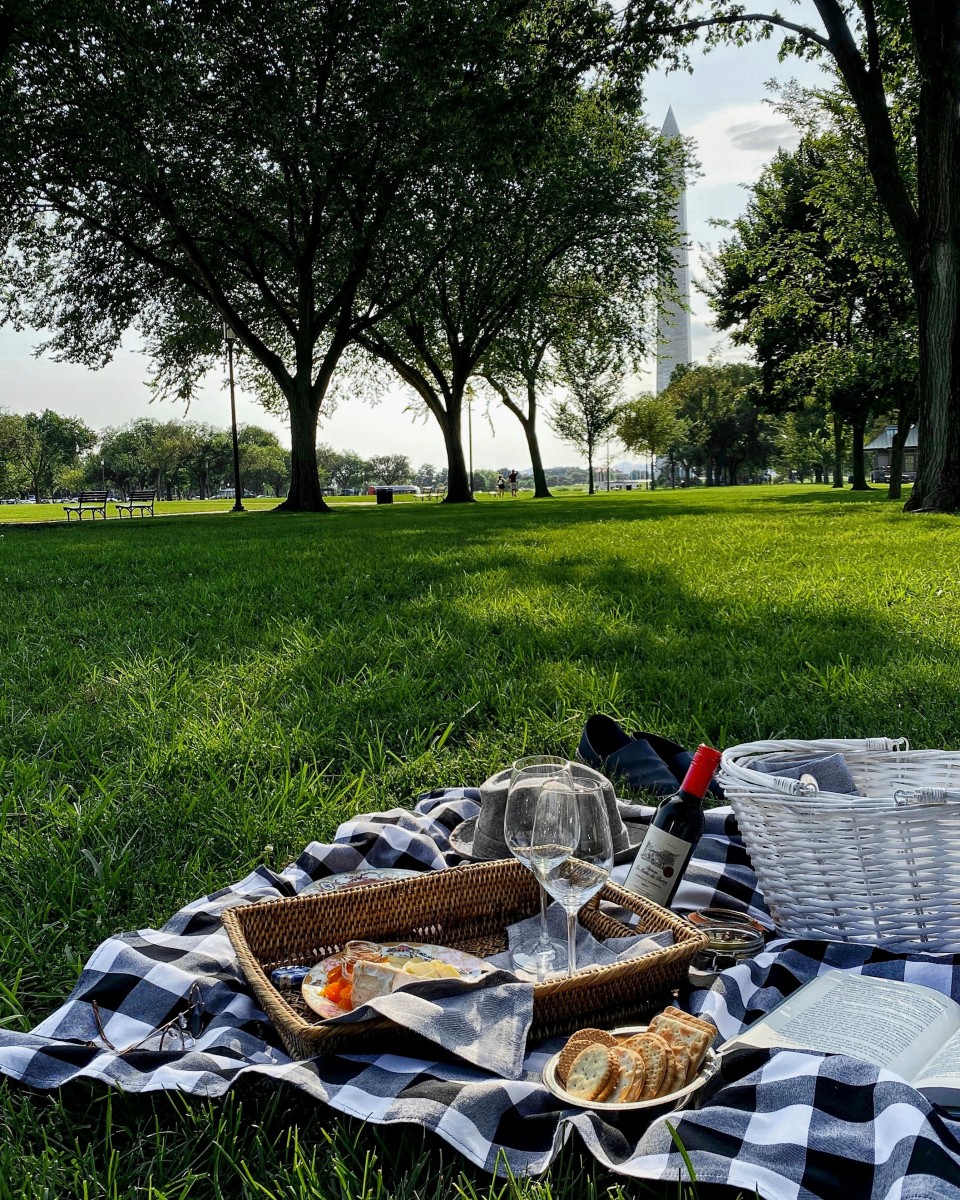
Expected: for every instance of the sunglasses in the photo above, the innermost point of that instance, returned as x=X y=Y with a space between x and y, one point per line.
x=179 y=1033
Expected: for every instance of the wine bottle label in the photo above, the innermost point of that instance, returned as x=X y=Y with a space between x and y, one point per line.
x=658 y=865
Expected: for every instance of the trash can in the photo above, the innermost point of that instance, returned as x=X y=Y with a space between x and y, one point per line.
x=384 y=495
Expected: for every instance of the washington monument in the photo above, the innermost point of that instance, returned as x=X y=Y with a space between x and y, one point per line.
x=673 y=320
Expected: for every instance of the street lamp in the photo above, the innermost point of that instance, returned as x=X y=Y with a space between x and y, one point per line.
x=230 y=337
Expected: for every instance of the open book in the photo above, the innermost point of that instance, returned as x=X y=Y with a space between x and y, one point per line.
x=905 y=1027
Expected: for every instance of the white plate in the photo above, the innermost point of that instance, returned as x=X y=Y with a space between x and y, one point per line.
x=677 y=1099
x=363 y=877
x=470 y=968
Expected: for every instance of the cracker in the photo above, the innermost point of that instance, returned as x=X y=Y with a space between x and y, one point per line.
x=698 y=1022
x=580 y=1041
x=676 y=1071
x=655 y=1054
x=630 y=1069
x=680 y=1036
x=593 y=1073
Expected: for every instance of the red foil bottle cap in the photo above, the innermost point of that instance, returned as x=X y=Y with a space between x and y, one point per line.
x=701 y=771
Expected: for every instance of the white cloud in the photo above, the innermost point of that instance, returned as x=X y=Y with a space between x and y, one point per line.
x=735 y=143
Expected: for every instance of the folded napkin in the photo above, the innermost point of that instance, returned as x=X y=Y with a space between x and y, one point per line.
x=830 y=771
x=590 y=952
x=484 y=1022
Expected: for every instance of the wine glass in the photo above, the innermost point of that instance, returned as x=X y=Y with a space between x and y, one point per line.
x=573 y=879
x=526 y=779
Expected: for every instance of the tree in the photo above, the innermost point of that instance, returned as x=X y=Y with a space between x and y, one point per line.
x=722 y=428
x=289 y=201
x=13 y=451
x=812 y=280
x=390 y=468
x=589 y=185
x=48 y=445
x=881 y=48
x=263 y=464
x=592 y=372
x=804 y=442
x=649 y=424
x=209 y=457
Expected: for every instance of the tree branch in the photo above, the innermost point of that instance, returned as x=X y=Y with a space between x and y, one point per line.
x=803 y=31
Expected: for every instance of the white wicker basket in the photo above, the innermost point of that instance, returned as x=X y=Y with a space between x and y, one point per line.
x=882 y=868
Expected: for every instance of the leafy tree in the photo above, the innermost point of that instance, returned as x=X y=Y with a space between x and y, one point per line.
x=263 y=462
x=723 y=429
x=269 y=168
x=425 y=476
x=126 y=453
x=48 y=445
x=592 y=372
x=13 y=450
x=209 y=457
x=649 y=425
x=885 y=50
x=588 y=186
x=804 y=442
x=812 y=280
x=390 y=468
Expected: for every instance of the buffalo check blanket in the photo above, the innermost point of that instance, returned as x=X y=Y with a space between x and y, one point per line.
x=776 y=1123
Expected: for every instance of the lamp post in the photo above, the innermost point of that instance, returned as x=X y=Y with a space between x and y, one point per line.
x=470 y=432
x=230 y=337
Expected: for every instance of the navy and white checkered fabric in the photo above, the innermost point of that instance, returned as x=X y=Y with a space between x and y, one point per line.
x=781 y=1123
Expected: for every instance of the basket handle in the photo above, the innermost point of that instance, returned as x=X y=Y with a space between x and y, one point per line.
x=912 y=797
x=731 y=763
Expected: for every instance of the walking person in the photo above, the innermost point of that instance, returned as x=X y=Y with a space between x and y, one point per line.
x=513 y=483
x=501 y=484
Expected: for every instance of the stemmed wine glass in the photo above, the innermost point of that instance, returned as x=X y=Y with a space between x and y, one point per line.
x=527 y=778
x=577 y=817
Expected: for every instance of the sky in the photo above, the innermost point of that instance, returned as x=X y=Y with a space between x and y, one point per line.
x=723 y=105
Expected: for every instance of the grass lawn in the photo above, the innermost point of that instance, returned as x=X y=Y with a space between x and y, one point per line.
x=183 y=699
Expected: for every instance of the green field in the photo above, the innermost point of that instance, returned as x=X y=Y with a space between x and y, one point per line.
x=182 y=699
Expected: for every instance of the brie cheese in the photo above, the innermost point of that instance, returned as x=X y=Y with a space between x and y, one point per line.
x=372 y=979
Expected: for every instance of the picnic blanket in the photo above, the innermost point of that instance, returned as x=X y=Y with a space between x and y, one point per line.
x=781 y=1123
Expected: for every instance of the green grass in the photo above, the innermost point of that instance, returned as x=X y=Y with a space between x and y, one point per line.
x=182 y=699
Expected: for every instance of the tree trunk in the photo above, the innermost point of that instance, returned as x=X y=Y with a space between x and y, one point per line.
x=305 y=494
x=818 y=473
x=936 y=260
x=590 y=488
x=905 y=420
x=458 y=483
x=540 y=489
x=859 y=467
x=202 y=480
x=837 y=451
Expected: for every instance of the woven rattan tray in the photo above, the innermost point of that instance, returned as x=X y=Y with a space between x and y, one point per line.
x=470 y=908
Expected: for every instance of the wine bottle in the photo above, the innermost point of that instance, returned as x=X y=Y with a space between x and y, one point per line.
x=673 y=832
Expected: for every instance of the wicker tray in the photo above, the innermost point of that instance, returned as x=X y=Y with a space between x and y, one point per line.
x=470 y=908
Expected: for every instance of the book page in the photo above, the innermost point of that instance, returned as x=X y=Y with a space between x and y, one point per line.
x=943 y=1069
x=885 y=1022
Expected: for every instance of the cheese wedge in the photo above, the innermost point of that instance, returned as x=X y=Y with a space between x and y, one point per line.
x=371 y=979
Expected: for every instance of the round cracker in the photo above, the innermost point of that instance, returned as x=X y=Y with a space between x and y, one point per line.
x=656 y=1055
x=631 y=1069
x=580 y=1041
x=593 y=1073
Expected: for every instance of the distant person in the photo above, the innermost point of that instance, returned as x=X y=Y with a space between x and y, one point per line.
x=501 y=484
x=513 y=483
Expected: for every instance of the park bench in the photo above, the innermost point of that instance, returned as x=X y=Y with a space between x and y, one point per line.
x=141 y=500
x=91 y=502
x=434 y=493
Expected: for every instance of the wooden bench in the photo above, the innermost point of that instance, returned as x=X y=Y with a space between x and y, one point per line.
x=91 y=502
x=139 y=500
x=434 y=493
